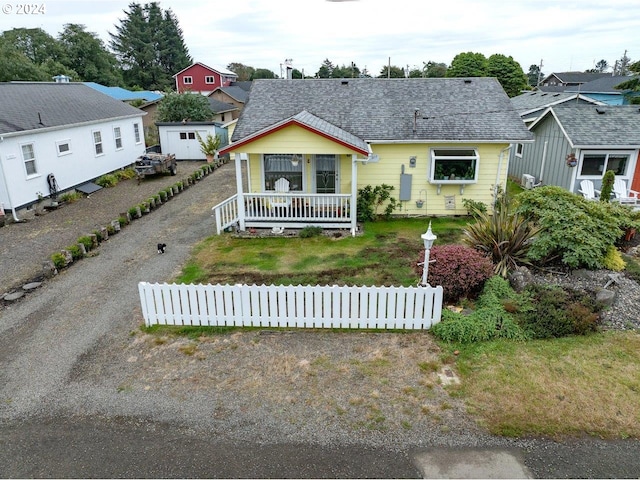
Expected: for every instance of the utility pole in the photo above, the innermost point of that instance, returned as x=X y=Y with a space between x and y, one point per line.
x=539 y=74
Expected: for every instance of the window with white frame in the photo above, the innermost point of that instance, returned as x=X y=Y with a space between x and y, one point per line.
x=278 y=166
x=519 y=149
x=454 y=165
x=63 y=147
x=97 y=142
x=595 y=164
x=29 y=159
x=136 y=133
x=117 y=136
x=209 y=79
x=188 y=80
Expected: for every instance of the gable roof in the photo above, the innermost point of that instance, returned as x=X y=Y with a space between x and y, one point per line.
x=388 y=110
x=587 y=126
x=220 y=107
x=529 y=103
x=603 y=85
x=237 y=93
x=575 y=77
x=220 y=70
x=28 y=106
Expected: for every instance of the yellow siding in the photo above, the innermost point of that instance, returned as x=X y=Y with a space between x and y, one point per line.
x=389 y=168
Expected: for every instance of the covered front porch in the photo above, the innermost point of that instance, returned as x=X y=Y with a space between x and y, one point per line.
x=298 y=173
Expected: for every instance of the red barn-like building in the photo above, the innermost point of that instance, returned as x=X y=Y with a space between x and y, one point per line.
x=203 y=79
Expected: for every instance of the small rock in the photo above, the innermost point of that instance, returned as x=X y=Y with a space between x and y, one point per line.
x=49 y=269
x=606 y=297
x=520 y=278
x=31 y=286
x=10 y=297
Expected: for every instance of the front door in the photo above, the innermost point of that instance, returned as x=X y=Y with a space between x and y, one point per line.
x=326 y=173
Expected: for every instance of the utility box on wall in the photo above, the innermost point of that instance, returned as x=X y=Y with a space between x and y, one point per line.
x=405 y=186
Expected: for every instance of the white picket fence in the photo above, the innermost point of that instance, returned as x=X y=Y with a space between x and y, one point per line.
x=291 y=306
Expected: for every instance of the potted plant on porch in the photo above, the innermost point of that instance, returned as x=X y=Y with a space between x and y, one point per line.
x=209 y=146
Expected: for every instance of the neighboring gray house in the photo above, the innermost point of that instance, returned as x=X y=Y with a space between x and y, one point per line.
x=66 y=130
x=559 y=81
x=235 y=94
x=604 y=90
x=601 y=138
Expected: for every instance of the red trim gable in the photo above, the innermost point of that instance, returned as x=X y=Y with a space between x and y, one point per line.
x=288 y=123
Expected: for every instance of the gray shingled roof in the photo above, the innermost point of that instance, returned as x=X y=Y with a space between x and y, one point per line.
x=603 y=85
x=306 y=118
x=619 y=125
x=449 y=109
x=34 y=106
x=218 y=107
x=535 y=100
x=237 y=93
x=577 y=77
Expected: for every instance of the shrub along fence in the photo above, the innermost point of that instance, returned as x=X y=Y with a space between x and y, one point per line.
x=290 y=306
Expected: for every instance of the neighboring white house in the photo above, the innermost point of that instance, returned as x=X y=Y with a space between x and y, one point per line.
x=67 y=130
x=181 y=139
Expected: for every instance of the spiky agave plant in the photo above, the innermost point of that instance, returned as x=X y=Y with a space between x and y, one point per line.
x=505 y=236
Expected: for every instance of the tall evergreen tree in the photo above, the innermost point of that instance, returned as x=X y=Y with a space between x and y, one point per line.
x=150 y=47
x=86 y=54
x=534 y=75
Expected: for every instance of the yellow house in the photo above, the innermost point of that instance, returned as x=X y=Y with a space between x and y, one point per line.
x=310 y=145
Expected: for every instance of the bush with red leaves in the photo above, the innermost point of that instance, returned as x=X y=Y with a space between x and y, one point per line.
x=460 y=270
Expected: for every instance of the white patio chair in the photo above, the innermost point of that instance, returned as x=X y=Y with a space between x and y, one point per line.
x=588 y=191
x=622 y=195
x=281 y=186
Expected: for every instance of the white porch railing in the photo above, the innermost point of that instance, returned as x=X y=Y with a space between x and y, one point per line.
x=226 y=213
x=291 y=306
x=291 y=210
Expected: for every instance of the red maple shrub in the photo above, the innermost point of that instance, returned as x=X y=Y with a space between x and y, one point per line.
x=460 y=270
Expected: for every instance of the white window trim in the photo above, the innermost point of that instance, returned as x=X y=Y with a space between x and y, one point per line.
x=136 y=133
x=461 y=181
x=117 y=137
x=63 y=142
x=606 y=153
x=34 y=160
x=519 y=150
x=207 y=77
x=95 y=144
x=187 y=80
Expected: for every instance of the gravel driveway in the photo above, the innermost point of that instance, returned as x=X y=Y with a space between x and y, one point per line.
x=73 y=350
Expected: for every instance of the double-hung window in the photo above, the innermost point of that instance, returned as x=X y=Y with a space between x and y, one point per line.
x=136 y=133
x=97 y=143
x=29 y=159
x=454 y=165
x=188 y=80
x=278 y=166
x=117 y=135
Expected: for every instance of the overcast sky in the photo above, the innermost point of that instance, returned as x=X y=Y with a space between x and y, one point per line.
x=565 y=35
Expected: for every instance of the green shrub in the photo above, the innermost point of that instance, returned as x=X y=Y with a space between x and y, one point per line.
x=310 y=231
x=133 y=212
x=577 y=232
x=371 y=198
x=58 y=260
x=125 y=174
x=76 y=252
x=558 y=312
x=108 y=180
x=122 y=221
x=87 y=242
x=460 y=270
x=98 y=235
x=111 y=229
x=608 y=180
x=613 y=260
x=70 y=197
x=474 y=207
x=505 y=236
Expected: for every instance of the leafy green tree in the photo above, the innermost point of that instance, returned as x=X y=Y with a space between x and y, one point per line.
x=508 y=72
x=178 y=107
x=244 y=72
x=534 y=75
x=393 y=72
x=346 y=71
x=15 y=65
x=150 y=47
x=263 y=73
x=434 y=70
x=468 y=64
x=621 y=66
x=326 y=69
x=36 y=44
x=87 y=55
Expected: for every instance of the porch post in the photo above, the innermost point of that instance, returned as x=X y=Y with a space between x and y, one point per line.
x=354 y=194
x=240 y=198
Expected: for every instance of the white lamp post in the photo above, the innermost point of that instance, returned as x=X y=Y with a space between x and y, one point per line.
x=428 y=238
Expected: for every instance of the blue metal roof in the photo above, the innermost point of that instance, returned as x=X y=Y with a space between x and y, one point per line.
x=123 y=94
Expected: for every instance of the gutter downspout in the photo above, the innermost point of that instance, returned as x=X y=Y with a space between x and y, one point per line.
x=495 y=188
x=544 y=158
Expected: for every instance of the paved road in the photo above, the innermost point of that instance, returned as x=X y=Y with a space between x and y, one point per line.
x=53 y=425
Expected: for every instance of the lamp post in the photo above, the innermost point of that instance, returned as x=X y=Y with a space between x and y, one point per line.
x=428 y=238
